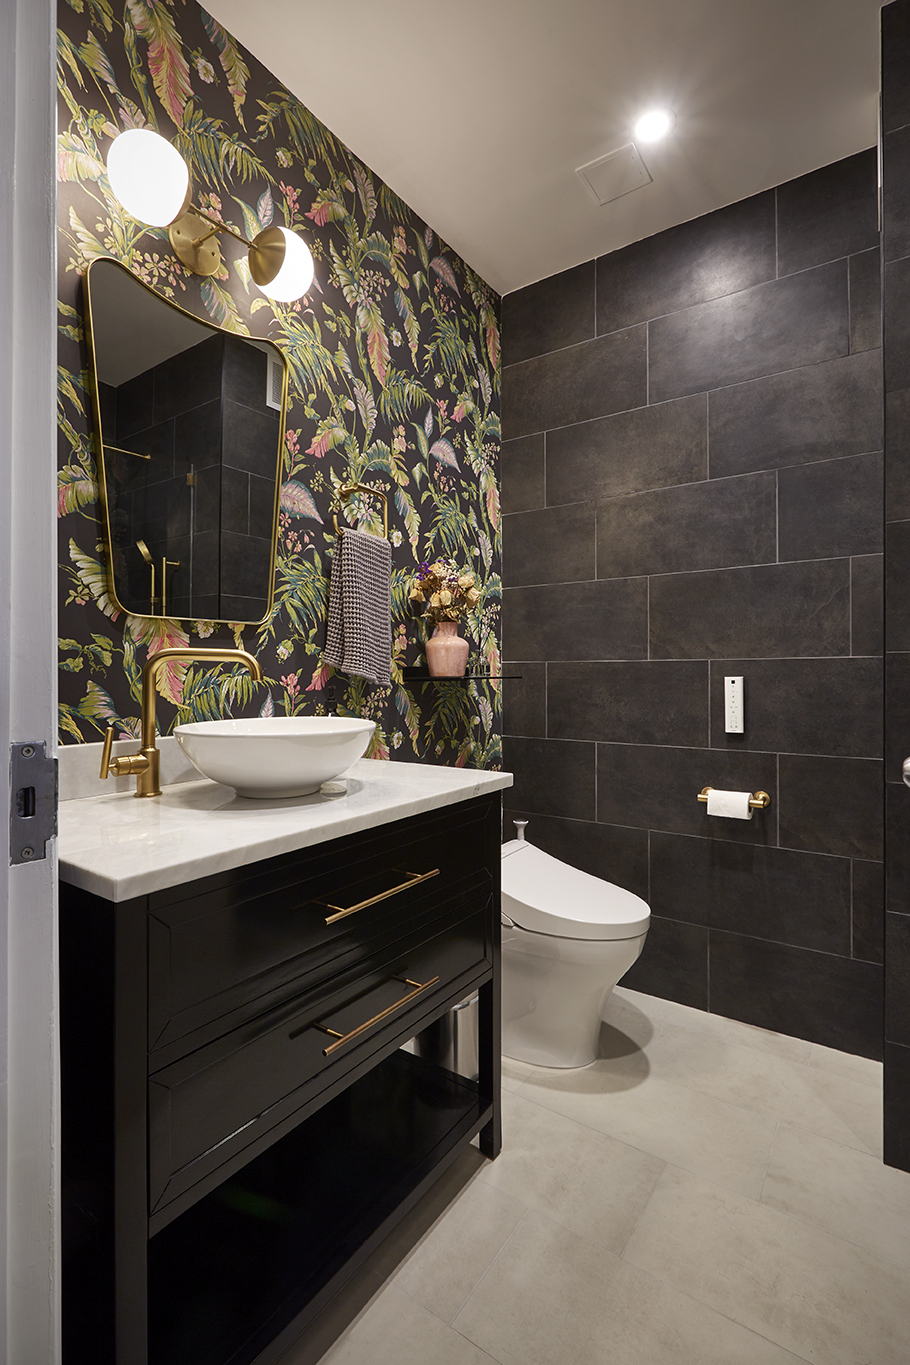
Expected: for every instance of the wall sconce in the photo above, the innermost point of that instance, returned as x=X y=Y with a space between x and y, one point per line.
x=152 y=181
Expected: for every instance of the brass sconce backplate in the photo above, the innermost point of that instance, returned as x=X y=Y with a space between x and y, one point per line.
x=195 y=243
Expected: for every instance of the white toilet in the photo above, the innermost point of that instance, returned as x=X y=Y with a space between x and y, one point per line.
x=567 y=938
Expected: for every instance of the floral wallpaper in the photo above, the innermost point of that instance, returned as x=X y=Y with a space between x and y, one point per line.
x=394 y=382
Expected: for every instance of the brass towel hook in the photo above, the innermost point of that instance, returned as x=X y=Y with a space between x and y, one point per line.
x=346 y=490
x=758 y=800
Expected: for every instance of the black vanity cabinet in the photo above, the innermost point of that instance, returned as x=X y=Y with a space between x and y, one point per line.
x=240 y=1125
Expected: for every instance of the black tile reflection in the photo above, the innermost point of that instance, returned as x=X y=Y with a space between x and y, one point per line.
x=198 y=436
x=896 y=327
x=235 y=501
x=832 y=508
x=816 y=996
x=799 y=320
x=896 y=194
x=868 y=613
x=246 y=565
x=651 y=447
x=897 y=871
x=816 y=413
x=250 y=439
x=832 y=805
x=897 y=1106
x=600 y=620
x=189 y=378
x=803 y=706
x=628 y=703
x=241 y=609
x=524 y=700
x=584 y=381
x=897 y=710
x=547 y=316
x=720 y=253
x=897 y=996
x=136 y=403
x=245 y=374
x=551 y=777
x=737 y=612
x=262 y=507
x=707 y=525
x=657 y=788
x=897 y=580
x=550 y=545
x=866 y=301
x=829 y=213
x=615 y=854
x=207 y=498
x=769 y=893
x=522 y=466
x=673 y=964
x=868 y=911
x=897 y=463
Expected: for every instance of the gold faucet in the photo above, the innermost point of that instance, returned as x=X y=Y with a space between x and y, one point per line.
x=145 y=763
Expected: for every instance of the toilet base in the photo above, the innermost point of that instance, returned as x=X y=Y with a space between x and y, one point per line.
x=554 y=993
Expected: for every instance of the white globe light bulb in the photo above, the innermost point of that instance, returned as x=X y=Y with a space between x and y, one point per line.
x=148 y=175
x=653 y=125
x=296 y=273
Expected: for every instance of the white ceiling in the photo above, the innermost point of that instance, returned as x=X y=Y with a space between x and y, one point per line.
x=477 y=112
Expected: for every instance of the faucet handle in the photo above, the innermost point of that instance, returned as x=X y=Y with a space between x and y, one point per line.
x=127 y=766
x=106 y=752
x=520 y=826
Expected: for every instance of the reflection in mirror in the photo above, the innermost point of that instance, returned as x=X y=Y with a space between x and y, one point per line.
x=190 y=423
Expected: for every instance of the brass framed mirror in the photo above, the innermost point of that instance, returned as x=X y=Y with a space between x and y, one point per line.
x=189 y=422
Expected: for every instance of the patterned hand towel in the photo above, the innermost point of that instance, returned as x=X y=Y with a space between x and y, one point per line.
x=359 y=636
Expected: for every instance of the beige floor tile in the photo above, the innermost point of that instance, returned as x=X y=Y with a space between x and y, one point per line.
x=820 y=1101
x=846 y=1192
x=672 y=1122
x=845 y=1064
x=585 y=1180
x=341 y=1314
x=514 y=1072
x=551 y=1298
x=627 y=1014
x=814 y=1294
x=715 y=1025
x=394 y=1330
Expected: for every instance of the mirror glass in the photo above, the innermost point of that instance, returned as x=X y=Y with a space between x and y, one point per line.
x=190 y=422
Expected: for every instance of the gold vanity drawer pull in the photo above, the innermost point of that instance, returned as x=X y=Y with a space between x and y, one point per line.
x=414 y=879
x=343 y=1038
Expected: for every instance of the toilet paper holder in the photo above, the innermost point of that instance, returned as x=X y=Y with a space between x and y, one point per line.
x=758 y=800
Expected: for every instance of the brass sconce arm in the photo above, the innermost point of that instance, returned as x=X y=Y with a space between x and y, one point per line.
x=144 y=765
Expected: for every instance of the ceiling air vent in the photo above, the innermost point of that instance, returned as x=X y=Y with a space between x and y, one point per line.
x=613 y=175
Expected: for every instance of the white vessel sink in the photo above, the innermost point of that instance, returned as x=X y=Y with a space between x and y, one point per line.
x=276 y=755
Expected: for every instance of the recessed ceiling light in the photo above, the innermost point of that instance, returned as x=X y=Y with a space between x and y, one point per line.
x=653 y=125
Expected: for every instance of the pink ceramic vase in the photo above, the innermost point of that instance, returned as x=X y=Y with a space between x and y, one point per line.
x=447 y=653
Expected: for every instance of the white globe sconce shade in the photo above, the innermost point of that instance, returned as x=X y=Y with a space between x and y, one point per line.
x=149 y=176
x=281 y=264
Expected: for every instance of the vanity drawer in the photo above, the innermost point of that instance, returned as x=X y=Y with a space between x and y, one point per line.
x=207 y=1107
x=262 y=934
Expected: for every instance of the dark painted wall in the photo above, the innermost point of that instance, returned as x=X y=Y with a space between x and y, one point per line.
x=692 y=477
x=896 y=293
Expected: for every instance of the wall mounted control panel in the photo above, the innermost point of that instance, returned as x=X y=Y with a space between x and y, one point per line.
x=733 y=706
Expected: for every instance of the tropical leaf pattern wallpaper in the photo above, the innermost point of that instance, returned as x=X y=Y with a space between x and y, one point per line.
x=394 y=382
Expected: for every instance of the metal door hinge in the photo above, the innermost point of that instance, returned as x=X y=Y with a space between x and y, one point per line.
x=33 y=801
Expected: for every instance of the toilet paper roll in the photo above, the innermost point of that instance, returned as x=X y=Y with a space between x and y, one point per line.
x=731 y=805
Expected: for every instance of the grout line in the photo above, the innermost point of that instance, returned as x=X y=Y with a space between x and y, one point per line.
x=648 y=619
x=546 y=500
x=768 y=1162
x=709 y=745
x=776 y=238
x=777 y=516
x=852 y=861
x=850 y=606
x=849 y=312
x=647 y=364
x=708 y=434
x=546 y=699
x=684 y=573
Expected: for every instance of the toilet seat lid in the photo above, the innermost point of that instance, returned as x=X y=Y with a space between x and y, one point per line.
x=547 y=896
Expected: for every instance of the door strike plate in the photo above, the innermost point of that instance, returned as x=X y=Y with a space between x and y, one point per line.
x=33 y=801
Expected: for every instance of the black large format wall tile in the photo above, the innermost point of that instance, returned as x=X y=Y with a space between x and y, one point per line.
x=771 y=893
x=718 y=254
x=584 y=381
x=673 y=964
x=628 y=703
x=833 y=508
x=828 y=214
x=647 y=448
x=550 y=315
x=868 y=911
x=897 y=822
x=897 y=996
x=741 y=612
x=817 y=413
x=896 y=195
x=550 y=545
x=896 y=325
x=895 y=76
x=832 y=805
x=897 y=1105
x=866 y=300
x=552 y=777
x=867 y=589
x=729 y=433
x=817 y=996
x=522 y=473
x=897 y=702
x=610 y=852
x=803 y=706
x=598 y=620
x=799 y=320
x=897 y=583
x=897 y=462
x=657 y=788
x=524 y=700
x=707 y=525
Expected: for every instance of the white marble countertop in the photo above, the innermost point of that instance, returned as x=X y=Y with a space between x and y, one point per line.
x=119 y=847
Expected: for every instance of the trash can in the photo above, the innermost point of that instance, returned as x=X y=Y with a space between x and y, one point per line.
x=452 y=1040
